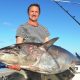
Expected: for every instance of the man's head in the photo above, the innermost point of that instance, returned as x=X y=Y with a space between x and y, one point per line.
x=33 y=12
x=36 y=5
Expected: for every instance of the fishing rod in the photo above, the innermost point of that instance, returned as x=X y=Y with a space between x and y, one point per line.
x=67 y=1
x=73 y=17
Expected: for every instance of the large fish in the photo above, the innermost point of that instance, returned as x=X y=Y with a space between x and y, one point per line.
x=44 y=58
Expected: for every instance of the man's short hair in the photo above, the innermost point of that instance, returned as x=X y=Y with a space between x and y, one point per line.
x=37 y=5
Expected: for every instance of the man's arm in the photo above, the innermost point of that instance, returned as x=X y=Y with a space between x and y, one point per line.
x=19 y=40
x=46 y=39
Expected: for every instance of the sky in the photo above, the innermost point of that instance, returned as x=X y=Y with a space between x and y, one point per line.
x=13 y=13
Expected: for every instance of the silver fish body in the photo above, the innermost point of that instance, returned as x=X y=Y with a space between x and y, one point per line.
x=43 y=58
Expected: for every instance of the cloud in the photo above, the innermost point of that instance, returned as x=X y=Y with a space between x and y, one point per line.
x=7 y=23
x=62 y=0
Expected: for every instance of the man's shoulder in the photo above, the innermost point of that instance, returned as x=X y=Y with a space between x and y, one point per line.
x=44 y=28
x=24 y=25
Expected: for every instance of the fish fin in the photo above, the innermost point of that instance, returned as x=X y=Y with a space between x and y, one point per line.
x=77 y=55
x=46 y=44
x=50 y=42
x=65 y=75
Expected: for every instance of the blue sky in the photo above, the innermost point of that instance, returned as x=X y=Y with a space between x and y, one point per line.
x=14 y=13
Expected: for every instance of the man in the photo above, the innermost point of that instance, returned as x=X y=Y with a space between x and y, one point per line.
x=32 y=31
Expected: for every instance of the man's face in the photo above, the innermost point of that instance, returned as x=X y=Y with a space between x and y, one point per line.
x=33 y=13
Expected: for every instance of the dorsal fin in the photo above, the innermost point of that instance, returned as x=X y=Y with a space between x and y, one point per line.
x=50 y=42
x=78 y=56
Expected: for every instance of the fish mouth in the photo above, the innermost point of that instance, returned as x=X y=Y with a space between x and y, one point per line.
x=9 y=58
